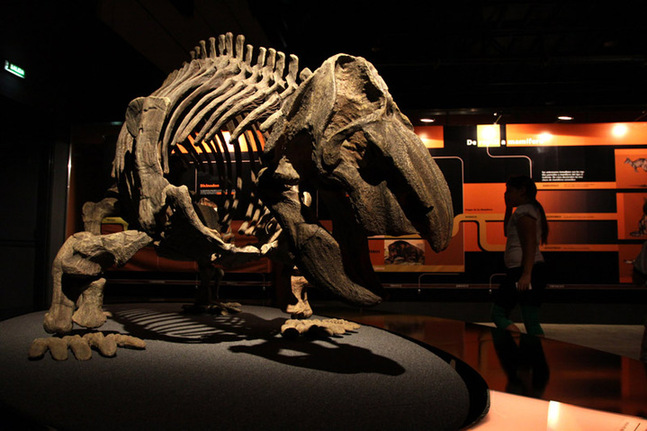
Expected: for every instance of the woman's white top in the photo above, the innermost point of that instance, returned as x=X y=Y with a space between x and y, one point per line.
x=513 y=252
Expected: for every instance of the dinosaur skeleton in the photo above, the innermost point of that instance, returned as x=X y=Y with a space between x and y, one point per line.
x=336 y=132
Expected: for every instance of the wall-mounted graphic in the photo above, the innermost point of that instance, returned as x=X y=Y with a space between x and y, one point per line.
x=588 y=176
x=414 y=255
x=409 y=252
x=640 y=163
x=631 y=168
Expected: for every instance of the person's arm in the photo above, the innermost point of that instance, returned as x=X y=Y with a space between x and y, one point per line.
x=527 y=227
x=508 y=214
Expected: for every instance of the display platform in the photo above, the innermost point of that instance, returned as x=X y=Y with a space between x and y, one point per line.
x=236 y=372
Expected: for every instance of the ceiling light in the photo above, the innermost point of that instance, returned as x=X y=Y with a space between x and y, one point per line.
x=565 y=118
x=619 y=130
x=545 y=137
x=427 y=120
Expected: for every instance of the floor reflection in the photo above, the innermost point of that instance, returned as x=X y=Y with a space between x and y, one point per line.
x=523 y=361
x=519 y=364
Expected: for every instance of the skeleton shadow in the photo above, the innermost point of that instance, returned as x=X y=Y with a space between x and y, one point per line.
x=324 y=354
x=187 y=328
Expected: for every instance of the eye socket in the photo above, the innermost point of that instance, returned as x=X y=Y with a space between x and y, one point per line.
x=373 y=167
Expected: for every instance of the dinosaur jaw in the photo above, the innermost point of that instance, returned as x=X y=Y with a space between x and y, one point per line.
x=391 y=191
x=392 y=186
x=369 y=210
x=411 y=177
x=409 y=197
x=343 y=135
x=395 y=189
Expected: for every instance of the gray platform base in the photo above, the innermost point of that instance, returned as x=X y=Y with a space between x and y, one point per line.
x=236 y=372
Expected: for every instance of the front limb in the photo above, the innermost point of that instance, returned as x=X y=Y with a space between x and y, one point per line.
x=316 y=253
x=302 y=309
x=76 y=277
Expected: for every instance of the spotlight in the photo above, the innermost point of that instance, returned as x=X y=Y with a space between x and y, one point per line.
x=619 y=130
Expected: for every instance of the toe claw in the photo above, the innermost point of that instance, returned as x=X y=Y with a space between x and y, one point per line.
x=107 y=346
x=58 y=348
x=130 y=341
x=82 y=347
x=317 y=328
x=38 y=348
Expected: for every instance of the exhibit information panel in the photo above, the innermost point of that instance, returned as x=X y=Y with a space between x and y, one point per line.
x=592 y=182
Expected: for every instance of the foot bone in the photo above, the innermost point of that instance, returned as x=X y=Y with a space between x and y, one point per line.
x=81 y=346
x=327 y=328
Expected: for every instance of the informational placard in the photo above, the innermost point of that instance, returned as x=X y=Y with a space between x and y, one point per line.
x=592 y=182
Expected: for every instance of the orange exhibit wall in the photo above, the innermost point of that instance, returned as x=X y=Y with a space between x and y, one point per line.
x=592 y=182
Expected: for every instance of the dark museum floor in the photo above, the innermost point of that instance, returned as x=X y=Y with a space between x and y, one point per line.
x=589 y=365
x=592 y=341
x=606 y=319
x=612 y=328
x=588 y=359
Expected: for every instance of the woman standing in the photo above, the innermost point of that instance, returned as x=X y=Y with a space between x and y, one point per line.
x=525 y=228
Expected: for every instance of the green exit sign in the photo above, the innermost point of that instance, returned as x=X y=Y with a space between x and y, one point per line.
x=15 y=69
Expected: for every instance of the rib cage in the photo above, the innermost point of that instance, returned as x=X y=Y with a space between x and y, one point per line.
x=220 y=92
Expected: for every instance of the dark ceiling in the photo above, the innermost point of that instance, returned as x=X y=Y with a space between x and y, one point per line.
x=528 y=61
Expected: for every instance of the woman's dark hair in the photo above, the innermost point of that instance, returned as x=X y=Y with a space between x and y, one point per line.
x=526 y=183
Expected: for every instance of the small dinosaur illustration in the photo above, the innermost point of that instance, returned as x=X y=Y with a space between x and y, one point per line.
x=640 y=163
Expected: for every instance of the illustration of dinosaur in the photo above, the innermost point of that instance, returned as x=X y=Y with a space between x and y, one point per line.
x=335 y=132
x=640 y=163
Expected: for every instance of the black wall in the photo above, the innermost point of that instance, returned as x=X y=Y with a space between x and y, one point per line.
x=78 y=72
